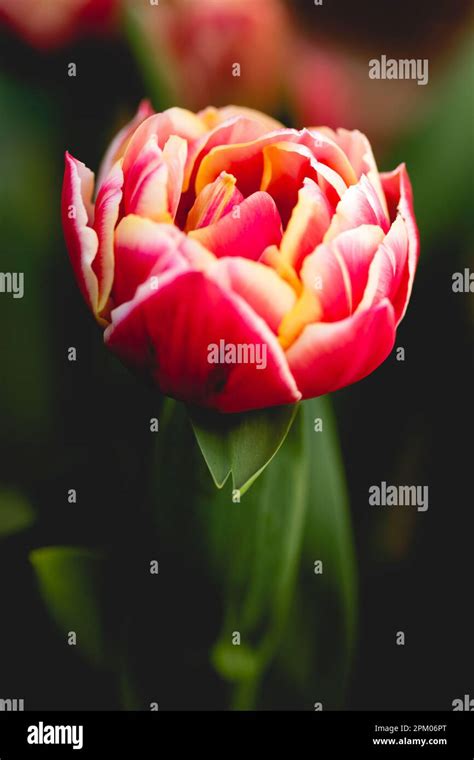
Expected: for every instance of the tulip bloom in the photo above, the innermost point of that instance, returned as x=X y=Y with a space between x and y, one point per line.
x=49 y=24
x=328 y=85
x=239 y=264
x=219 y=50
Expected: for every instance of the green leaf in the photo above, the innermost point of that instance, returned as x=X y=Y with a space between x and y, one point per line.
x=328 y=532
x=318 y=644
x=241 y=444
x=16 y=513
x=255 y=546
x=157 y=73
x=212 y=434
x=235 y=663
x=263 y=551
x=70 y=582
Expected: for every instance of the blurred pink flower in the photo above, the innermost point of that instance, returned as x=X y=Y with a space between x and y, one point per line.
x=49 y=24
x=220 y=51
x=328 y=85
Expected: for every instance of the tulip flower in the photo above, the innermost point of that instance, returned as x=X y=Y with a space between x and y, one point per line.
x=329 y=85
x=218 y=50
x=49 y=24
x=238 y=264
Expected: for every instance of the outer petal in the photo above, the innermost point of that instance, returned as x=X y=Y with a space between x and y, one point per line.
x=338 y=271
x=119 y=144
x=174 y=121
x=360 y=204
x=81 y=240
x=357 y=148
x=91 y=245
x=328 y=151
x=146 y=184
x=261 y=287
x=397 y=189
x=144 y=247
x=325 y=274
x=328 y=356
x=257 y=226
x=169 y=334
x=106 y=215
x=388 y=274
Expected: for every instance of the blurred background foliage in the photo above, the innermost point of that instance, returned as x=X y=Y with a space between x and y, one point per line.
x=84 y=425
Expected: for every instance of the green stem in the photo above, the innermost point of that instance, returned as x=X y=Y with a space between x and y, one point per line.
x=244 y=695
x=151 y=60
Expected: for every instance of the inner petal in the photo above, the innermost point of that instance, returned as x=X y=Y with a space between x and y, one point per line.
x=213 y=202
x=310 y=218
x=154 y=183
x=285 y=166
x=246 y=231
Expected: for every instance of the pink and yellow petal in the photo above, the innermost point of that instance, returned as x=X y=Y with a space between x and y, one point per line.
x=146 y=183
x=244 y=160
x=174 y=121
x=174 y=155
x=235 y=129
x=359 y=205
x=119 y=144
x=324 y=274
x=327 y=151
x=307 y=309
x=253 y=226
x=213 y=117
x=261 y=287
x=81 y=240
x=213 y=202
x=285 y=166
x=169 y=334
x=106 y=215
x=355 y=250
x=329 y=356
x=144 y=248
x=308 y=223
x=388 y=273
x=358 y=150
x=338 y=271
x=398 y=191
